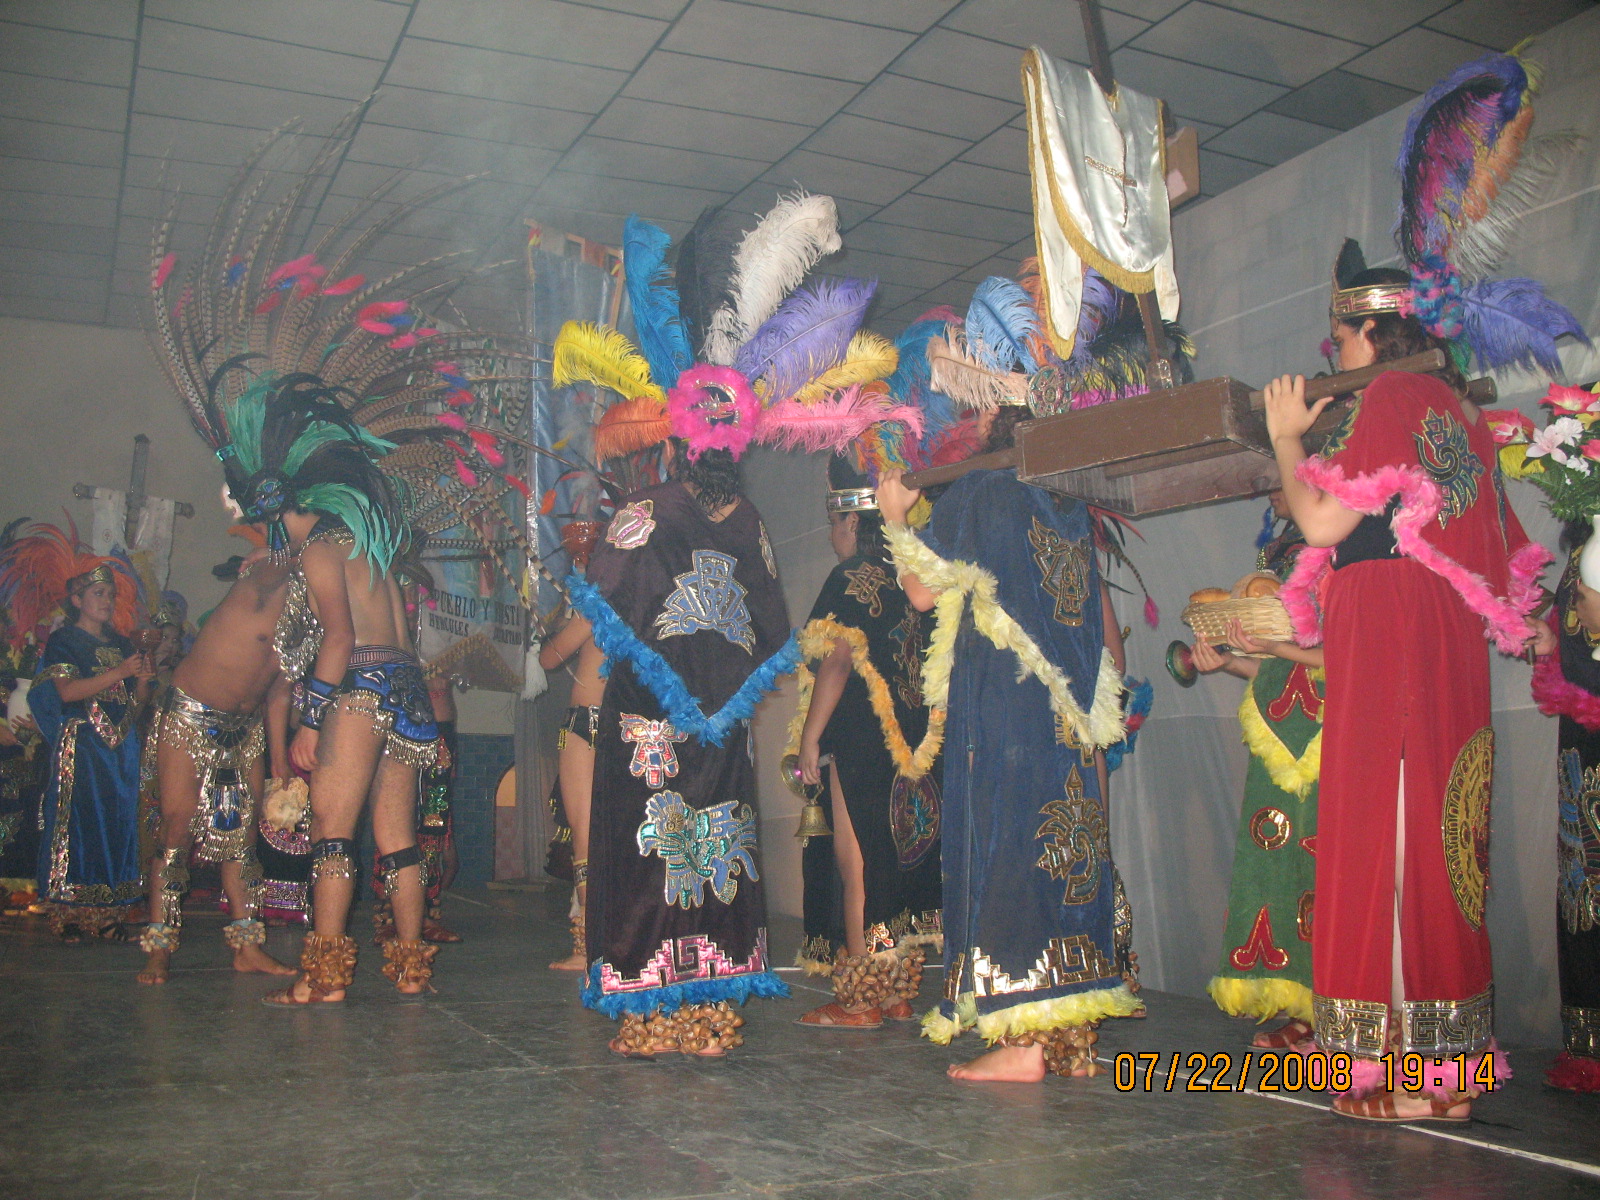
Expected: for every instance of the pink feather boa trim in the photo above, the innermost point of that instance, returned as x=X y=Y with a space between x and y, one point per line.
x=691 y=403
x=1440 y=1077
x=1557 y=696
x=1420 y=500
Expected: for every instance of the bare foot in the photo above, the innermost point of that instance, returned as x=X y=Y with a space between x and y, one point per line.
x=572 y=962
x=156 y=967
x=1006 y=1064
x=255 y=960
x=300 y=993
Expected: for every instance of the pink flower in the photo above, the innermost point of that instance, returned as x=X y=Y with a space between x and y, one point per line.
x=1570 y=399
x=1591 y=450
x=1507 y=425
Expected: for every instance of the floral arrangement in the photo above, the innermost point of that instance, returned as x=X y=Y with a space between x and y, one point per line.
x=1563 y=458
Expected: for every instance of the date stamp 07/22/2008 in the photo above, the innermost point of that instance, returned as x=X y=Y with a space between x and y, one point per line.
x=1289 y=1071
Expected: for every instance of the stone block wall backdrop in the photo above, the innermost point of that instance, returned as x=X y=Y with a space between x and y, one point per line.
x=481 y=759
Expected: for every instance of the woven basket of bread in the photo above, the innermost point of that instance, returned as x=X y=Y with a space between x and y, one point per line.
x=1260 y=616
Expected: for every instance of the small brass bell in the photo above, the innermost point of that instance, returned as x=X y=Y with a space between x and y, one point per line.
x=813 y=821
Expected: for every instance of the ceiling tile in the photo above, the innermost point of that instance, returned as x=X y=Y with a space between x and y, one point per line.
x=59 y=264
x=213 y=54
x=1245 y=45
x=916 y=150
x=980 y=65
x=33 y=97
x=1004 y=265
x=124 y=311
x=743 y=90
x=1341 y=100
x=1501 y=25
x=164 y=94
x=877 y=237
x=697 y=129
x=574 y=33
x=393 y=147
x=38 y=309
x=478 y=117
x=1055 y=28
x=839 y=177
x=1416 y=59
x=143 y=206
x=951 y=216
x=47 y=235
x=1219 y=172
x=1146 y=10
x=113 y=18
x=1209 y=95
x=1353 y=20
x=60 y=143
x=467 y=70
x=1268 y=138
x=760 y=196
x=100 y=213
x=53 y=287
x=364 y=28
x=67 y=179
x=605 y=228
x=202 y=179
x=788 y=41
x=1005 y=148
x=201 y=141
x=58 y=54
x=922 y=105
x=957 y=293
x=634 y=160
x=912 y=15
x=889 y=269
x=973 y=184
x=1202 y=129
x=620 y=197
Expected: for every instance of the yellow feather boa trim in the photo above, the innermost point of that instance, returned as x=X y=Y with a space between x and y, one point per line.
x=1262 y=999
x=1297 y=776
x=1098 y=726
x=1078 y=1009
x=816 y=641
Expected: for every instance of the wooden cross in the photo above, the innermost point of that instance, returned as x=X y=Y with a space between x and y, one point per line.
x=136 y=495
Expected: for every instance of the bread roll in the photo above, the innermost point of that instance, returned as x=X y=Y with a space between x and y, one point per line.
x=1255 y=585
x=1209 y=595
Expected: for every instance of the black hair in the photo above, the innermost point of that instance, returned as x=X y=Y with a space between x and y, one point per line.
x=715 y=476
x=1003 y=432
x=1394 y=336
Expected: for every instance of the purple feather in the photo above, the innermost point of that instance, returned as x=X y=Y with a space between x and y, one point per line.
x=1511 y=322
x=808 y=334
x=1097 y=307
x=1461 y=114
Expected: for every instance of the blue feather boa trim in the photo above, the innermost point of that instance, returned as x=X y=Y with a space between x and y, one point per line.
x=735 y=989
x=618 y=641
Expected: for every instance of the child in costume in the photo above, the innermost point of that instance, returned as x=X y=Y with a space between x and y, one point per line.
x=86 y=700
x=1266 y=947
x=877 y=878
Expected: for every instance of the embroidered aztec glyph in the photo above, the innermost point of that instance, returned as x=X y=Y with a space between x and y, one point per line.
x=1449 y=460
x=708 y=598
x=1063 y=571
x=633 y=525
x=1079 y=841
x=866 y=585
x=654 y=759
x=700 y=847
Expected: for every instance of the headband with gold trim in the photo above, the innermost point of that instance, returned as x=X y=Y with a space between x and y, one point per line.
x=848 y=500
x=1371 y=300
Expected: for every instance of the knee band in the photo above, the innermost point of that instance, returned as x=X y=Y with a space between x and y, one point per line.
x=333 y=858
x=390 y=866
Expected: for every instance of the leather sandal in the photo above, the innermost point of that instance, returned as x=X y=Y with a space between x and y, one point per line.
x=834 y=1015
x=900 y=1010
x=1286 y=1036
x=1380 y=1107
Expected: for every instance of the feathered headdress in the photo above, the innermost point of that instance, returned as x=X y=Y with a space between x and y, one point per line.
x=732 y=348
x=1468 y=174
x=1002 y=358
x=46 y=564
x=307 y=378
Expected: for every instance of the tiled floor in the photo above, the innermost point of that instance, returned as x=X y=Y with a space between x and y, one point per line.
x=500 y=1086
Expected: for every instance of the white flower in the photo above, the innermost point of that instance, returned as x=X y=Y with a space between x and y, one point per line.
x=1550 y=440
